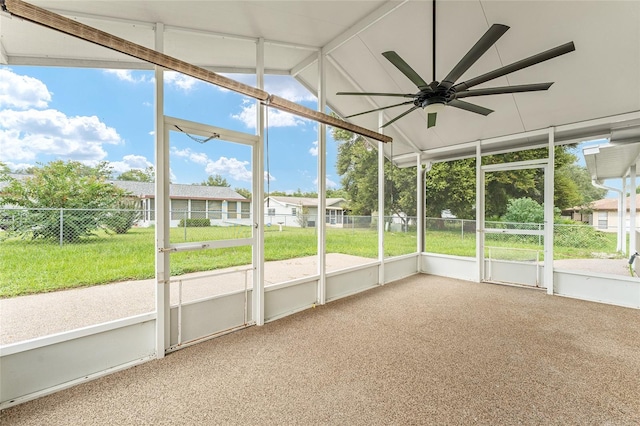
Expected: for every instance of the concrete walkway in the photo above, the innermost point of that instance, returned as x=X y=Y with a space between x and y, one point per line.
x=28 y=317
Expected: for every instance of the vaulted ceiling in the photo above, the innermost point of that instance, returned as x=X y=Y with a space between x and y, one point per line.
x=596 y=90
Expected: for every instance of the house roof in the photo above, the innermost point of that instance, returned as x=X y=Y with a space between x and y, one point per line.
x=147 y=190
x=612 y=204
x=307 y=201
x=194 y=192
x=222 y=36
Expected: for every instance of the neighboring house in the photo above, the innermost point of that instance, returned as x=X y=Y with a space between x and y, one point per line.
x=603 y=214
x=302 y=211
x=222 y=205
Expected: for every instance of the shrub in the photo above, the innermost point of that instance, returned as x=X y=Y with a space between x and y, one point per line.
x=579 y=237
x=120 y=221
x=524 y=210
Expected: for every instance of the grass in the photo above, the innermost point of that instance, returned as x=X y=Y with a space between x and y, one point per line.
x=30 y=267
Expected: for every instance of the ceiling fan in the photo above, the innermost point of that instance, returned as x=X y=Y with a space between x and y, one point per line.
x=434 y=96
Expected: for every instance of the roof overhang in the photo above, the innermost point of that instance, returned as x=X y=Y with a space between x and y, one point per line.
x=615 y=159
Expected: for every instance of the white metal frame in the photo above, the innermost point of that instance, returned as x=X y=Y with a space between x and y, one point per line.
x=520 y=165
x=173 y=124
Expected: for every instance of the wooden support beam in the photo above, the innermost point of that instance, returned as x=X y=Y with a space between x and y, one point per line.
x=68 y=26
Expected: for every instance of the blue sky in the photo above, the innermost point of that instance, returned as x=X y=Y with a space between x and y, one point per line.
x=94 y=115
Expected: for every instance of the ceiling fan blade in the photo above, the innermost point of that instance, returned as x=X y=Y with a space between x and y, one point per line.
x=470 y=107
x=431 y=119
x=400 y=116
x=516 y=66
x=505 y=89
x=399 y=63
x=401 y=95
x=379 y=109
x=486 y=41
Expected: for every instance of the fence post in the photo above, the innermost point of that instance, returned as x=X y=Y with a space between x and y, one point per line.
x=462 y=228
x=185 y=225
x=61 y=226
x=539 y=236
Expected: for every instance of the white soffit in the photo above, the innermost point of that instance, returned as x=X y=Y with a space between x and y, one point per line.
x=594 y=88
x=611 y=161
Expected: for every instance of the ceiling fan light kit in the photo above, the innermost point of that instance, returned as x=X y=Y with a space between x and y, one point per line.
x=434 y=96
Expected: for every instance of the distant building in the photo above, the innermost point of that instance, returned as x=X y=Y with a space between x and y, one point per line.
x=222 y=205
x=302 y=211
x=603 y=214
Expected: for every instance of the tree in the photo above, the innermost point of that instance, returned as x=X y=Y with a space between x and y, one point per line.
x=139 y=175
x=84 y=192
x=357 y=164
x=244 y=192
x=215 y=180
x=506 y=185
x=581 y=177
x=337 y=193
x=451 y=185
x=302 y=216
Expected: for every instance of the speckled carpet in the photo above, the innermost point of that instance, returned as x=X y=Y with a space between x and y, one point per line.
x=422 y=350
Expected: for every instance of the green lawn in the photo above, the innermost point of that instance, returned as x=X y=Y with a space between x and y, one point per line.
x=36 y=266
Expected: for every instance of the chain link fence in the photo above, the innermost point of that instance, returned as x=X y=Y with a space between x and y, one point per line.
x=73 y=226
x=569 y=240
x=65 y=226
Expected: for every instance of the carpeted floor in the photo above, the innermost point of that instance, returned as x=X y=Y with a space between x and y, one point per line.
x=423 y=350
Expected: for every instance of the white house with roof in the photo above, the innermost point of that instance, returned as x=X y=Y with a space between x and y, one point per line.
x=302 y=211
x=604 y=214
x=222 y=205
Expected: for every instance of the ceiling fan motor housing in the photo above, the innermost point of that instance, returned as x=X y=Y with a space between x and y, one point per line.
x=437 y=96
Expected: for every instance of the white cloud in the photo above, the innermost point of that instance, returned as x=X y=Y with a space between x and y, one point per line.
x=130 y=162
x=130 y=76
x=26 y=134
x=269 y=176
x=287 y=87
x=181 y=81
x=330 y=184
x=196 y=157
x=276 y=118
x=229 y=167
x=22 y=91
x=18 y=166
x=314 y=149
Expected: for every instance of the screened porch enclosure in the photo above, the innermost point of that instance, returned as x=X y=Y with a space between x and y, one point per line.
x=343 y=56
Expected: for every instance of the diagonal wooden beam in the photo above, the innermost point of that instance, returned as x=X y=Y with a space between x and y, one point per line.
x=73 y=28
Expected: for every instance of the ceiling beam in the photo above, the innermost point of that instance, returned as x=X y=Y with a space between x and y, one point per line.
x=68 y=26
x=363 y=24
x=304 y=64
x=347 y=35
